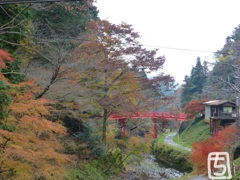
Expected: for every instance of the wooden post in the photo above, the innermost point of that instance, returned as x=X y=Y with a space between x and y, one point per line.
x=215 y=126
x=154 y=129
x=123 y=127
x=178 y=129
x=211 y=126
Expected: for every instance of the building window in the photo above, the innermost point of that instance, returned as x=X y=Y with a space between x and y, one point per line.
x=227 y=109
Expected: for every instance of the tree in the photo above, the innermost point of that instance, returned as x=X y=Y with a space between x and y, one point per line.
x=223 y=80
x=186 y=91
x=195 y=107
x=194 y=84
x=198 y=77
x=57 y=29
x=43 y=34
x=111 y=62
x=14 y=20
x=18 y=107
x=14 y=26
x=62 y=20
x=5 y=99
x=32 y=137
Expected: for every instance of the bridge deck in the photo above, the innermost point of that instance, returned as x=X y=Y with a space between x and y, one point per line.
x=152 y=115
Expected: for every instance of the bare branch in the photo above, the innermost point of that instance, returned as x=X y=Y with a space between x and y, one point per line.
x=13 y=19
x=12 y=72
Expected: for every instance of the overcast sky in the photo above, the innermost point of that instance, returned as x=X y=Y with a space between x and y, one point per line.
x=184 y=24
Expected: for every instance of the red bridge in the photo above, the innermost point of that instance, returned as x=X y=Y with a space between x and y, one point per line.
x=155 y=116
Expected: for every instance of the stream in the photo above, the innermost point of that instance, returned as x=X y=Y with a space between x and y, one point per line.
x=148 y=169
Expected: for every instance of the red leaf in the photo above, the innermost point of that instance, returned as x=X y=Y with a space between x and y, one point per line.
x=4 y=55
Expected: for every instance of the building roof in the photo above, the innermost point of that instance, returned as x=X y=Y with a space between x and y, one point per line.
x=217 y=102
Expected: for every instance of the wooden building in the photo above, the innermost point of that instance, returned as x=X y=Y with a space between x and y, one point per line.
x=220 y=113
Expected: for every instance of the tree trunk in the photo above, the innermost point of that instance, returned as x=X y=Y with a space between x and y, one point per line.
x=104 y=126
x=53 y=78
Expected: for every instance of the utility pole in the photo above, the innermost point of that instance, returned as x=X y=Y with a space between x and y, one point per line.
x=237 y=112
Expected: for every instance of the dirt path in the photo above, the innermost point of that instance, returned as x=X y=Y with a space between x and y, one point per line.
x=169 y=140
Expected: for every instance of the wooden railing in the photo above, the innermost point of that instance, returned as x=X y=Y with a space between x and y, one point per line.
x=225 y=115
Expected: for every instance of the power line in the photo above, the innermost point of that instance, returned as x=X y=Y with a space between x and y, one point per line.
x=2 y=2
x=84 y=39
x=159 y=47
x=180 y=49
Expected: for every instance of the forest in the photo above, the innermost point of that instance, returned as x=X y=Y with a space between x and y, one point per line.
x=215 y=80
x=64 y=71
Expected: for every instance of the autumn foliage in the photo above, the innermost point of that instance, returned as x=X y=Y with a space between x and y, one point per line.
x=34 y=148
x=105 y=74
x=224 y=140
x=30 y=145
x=4 y=56
x=195 y=107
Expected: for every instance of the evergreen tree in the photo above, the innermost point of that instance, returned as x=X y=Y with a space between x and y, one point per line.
x=192 y=89
x=185 y=98
x=198 y=78
x=205 y=68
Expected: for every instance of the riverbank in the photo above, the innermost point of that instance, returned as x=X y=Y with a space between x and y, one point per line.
x=171 y=156
x=148 y=169
x=168 y=139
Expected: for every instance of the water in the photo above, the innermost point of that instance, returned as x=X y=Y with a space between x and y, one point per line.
x=148 y=169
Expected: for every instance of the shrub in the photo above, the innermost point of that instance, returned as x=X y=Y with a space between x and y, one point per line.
x=10 y=128
x=225 y=140
x=93 y=142
x=86 y=171
x=172 y=157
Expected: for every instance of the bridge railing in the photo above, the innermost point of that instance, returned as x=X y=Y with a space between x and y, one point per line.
x=153 y=115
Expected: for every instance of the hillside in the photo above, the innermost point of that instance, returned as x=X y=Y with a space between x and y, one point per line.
x=196 y=132
x=225 y=140
x=63 y=71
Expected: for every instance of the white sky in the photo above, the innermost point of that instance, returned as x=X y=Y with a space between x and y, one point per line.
x=185 y=24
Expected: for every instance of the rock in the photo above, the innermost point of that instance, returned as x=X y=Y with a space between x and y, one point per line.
x=148 y=169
